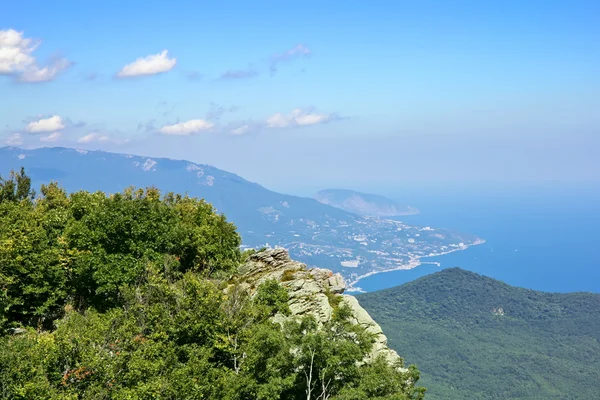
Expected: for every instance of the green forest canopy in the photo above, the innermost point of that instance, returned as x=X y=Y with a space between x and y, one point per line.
x=474 y=337
x=122 y=296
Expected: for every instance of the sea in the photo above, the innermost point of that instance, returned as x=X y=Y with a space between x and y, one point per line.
x=545 y=239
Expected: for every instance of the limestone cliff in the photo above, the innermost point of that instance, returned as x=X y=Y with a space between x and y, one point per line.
x=311 y=291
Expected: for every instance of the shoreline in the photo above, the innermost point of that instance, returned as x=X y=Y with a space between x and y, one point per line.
x=412 y=263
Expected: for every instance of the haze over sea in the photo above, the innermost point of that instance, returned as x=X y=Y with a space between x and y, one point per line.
x=542 y=239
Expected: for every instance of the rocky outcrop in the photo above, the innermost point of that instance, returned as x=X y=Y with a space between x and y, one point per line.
x=311 y=291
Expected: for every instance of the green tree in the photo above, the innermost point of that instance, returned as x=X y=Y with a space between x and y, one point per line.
x=85 y=248
x=123 y=297
x=16 y=188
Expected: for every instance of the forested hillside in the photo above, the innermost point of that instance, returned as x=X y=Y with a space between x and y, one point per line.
x=474 y=337
x=132 y=296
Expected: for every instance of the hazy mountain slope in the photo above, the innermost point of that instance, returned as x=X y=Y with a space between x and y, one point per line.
x=313 y=232
x=474 y=337
x=97 y=170
x=370 y=205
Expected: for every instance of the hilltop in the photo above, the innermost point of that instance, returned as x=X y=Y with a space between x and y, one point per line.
x=474 y=337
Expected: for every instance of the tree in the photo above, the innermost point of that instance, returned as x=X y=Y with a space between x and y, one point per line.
x=85 y=248
x=16 y=188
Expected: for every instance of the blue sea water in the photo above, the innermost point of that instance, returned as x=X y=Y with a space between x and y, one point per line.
x=545 y=240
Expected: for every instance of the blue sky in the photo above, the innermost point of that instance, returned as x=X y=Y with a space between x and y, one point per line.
x=310 y=94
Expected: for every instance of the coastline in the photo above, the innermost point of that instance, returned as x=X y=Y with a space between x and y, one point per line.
x=412 y=263
x=410 y=211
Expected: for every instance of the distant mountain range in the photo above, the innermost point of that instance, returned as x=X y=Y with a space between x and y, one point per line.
x=474 y=337
x=369 y=205
x=314 y=233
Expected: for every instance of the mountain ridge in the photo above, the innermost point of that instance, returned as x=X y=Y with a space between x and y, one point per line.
x=314 y=233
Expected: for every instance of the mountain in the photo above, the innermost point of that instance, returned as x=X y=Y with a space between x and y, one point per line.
x=474 y=337
x=314 y=233
x=370 y=205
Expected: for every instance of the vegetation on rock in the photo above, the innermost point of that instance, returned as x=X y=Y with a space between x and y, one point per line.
x=121 y=296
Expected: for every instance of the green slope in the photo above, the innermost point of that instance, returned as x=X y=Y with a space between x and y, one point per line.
x=541 y=346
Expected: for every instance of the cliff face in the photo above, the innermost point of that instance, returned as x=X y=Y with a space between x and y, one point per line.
x=311 y=292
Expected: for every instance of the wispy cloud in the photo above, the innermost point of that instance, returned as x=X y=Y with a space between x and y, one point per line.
x=148 y=126
x=240 y=130
x=187 y=128
x=164 y=108
x=216 y=111
x=249 y=72
x=193 y=75
x=298 y=51
x=14 y=140
x=47 y=73
x=92 y=76
x=243 y=127
x=102 y=138
x=17 y=60
x=149 y=65
x=53 y=137
x=298 y=117
x=93 y=137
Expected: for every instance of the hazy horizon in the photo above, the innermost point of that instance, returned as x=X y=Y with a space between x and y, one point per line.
x=313 y=95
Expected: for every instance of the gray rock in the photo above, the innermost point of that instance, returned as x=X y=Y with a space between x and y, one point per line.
x=309 y=291
x=362 y=317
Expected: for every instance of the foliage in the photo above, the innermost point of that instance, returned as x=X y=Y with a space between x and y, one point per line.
x=288 y=275
x=477 y=338
x=16 y=188
x=271 y=295
x=84 y=247
x=173 y=340
x=118 y=297
x=334 y=301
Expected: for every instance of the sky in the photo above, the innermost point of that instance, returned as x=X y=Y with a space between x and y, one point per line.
x=313 y=94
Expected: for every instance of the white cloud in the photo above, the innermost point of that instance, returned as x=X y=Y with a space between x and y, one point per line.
x=15 y=52
x=297 y=117
x=16 y=59
x=240 y=130
x=51 y=124
x=96 y=137
x=311 y=119
x=150 y=65
x=93 y=137
x=53 y=137
x=187 y=128
x=15 y=140
x=278 y=121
